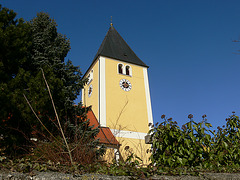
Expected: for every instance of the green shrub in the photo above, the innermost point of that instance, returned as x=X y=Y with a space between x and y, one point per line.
x=226 y=147
x=195 y=145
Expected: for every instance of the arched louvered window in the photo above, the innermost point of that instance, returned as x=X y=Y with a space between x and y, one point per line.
x=90 y=77
x=128 y=70
x=120 y=68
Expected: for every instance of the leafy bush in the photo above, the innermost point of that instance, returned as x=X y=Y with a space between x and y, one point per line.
x=226 y=148
x=195 y=145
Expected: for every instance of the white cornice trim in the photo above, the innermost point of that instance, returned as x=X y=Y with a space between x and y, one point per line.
x=88 y=70
x=102 y=92
x=148 y=98
x=128 y=134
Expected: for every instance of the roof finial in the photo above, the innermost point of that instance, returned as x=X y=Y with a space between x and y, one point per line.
x=111 y=22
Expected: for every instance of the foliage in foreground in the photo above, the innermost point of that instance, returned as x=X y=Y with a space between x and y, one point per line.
x=123 y=168
x=195 y=145
x=211 y=153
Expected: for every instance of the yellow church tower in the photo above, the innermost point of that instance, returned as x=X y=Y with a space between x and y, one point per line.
x=118 y=91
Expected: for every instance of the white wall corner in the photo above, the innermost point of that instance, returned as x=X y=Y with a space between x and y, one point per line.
x=148 y=98
x=83 y=100
x=102 y=92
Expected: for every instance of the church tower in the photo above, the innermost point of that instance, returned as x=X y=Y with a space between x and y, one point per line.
x=118 y=91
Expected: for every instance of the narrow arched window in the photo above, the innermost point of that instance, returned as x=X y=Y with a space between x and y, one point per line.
x=90 y=77
x=127 y=70
x=120 y=68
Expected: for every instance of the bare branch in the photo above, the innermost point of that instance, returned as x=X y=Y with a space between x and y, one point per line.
x=69 y=152
x=40 y=119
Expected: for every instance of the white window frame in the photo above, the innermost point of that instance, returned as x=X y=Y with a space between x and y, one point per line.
x=130 y=70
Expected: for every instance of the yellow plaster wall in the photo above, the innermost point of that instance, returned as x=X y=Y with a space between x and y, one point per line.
x=109 y=156
x=125 y=110
x=137 y=146
x=93 y=99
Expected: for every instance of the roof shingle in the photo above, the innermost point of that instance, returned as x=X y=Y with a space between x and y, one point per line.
x=114 y=46
x=105 y=135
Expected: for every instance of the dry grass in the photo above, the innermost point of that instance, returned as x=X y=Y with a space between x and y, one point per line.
x=72 y=144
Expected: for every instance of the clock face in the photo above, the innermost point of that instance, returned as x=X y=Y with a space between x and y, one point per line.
x=125 y=85
x=90 y=89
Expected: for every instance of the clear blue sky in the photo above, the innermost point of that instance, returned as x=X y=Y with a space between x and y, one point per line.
x=187 y=44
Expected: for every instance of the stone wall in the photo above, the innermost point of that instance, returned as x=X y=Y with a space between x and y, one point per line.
x=62 y=176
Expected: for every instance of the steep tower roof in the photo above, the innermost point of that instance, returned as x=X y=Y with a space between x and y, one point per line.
x=114 y=46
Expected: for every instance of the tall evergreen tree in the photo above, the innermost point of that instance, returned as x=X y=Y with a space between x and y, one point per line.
x=49 y=50
x=15 y=45
x=25 y=49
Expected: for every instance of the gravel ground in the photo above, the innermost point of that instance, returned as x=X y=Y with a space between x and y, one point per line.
x=62 y=176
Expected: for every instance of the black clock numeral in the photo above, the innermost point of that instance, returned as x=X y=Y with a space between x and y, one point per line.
x=125 y=85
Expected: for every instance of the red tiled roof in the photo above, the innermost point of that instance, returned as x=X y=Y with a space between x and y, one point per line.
x=105 y=135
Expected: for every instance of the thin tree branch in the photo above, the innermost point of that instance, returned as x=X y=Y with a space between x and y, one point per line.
x=40 y=119
x=69 y=152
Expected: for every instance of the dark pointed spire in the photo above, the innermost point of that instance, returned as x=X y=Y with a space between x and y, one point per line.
x=111 y=24
x=114 y=46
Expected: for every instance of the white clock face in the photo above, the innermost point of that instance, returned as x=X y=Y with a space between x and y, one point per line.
x=90 y=89
x=125 y=85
